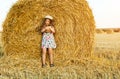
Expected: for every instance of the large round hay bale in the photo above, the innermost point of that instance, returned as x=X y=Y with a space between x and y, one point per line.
x=74 y=25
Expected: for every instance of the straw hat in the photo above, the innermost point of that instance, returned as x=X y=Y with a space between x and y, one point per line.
x=50 y=17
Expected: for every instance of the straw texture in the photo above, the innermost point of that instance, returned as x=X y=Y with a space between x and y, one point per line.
x=74 y=25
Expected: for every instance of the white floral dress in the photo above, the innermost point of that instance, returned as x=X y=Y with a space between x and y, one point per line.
x=48 y=40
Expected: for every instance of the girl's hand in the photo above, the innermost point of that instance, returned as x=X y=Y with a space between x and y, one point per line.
x=48 y=29
x=52 y=29
x=43 y=29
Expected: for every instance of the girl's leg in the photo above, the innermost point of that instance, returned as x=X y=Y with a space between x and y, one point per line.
x=44 y=50
x=50 y=55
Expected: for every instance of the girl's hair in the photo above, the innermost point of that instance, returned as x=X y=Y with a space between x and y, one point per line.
x=51 y=22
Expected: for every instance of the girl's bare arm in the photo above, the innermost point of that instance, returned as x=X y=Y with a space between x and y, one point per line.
x=52 y=29
x=43 y=29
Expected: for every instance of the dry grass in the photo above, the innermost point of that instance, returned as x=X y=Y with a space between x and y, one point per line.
x=96 y=68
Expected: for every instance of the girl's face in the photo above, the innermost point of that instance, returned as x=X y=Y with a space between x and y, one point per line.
x=47 y=21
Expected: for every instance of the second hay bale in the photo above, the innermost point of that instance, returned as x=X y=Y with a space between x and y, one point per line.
x=74 y=25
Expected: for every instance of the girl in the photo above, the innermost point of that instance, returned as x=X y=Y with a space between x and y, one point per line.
x=48 y=39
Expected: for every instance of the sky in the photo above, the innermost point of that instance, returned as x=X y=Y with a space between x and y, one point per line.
x=106 y=12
